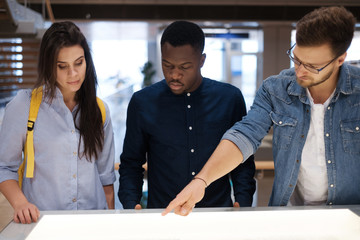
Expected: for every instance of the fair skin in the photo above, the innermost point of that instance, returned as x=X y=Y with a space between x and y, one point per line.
x=71 y=71
x=323 y=84
x=227 y=155
x=71 y=68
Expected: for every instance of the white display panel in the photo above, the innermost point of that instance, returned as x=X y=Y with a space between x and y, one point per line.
x=279 y=225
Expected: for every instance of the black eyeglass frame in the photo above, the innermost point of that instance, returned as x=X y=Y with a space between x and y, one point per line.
x=306 y=66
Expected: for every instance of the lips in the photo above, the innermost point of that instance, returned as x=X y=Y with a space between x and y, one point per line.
x=74 y=82
x=175 y=85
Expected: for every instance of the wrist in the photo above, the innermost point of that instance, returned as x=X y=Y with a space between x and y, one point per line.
x=201 y=179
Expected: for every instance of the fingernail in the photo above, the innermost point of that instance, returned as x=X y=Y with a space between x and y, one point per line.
x=183 y=211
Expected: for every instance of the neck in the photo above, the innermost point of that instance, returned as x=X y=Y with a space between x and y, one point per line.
x=320 y=93
x=69 y=100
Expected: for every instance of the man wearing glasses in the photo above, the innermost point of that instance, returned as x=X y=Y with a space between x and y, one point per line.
x=314 y=109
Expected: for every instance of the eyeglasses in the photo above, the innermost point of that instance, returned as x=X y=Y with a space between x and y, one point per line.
x=307 y=66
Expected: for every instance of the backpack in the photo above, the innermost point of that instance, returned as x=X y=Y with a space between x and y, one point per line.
x=29 y=161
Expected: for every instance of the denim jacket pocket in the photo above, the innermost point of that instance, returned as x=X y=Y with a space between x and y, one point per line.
x=284 y=127
x=350 y=132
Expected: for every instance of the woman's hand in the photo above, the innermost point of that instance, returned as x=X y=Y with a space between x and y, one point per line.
x=26 y=213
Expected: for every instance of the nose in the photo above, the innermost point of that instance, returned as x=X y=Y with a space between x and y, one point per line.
x=175 y=74
x=72 y=72
x=300 y=70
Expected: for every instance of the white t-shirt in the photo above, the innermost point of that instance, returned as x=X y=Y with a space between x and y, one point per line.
x=312 y=184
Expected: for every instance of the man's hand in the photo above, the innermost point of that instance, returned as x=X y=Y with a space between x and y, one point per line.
x=236 y=205
x=185 y=201
x=26 y=213
x=138 y=207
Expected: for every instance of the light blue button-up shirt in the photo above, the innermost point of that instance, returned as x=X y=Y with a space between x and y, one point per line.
x=282 y=103
x=62 y=179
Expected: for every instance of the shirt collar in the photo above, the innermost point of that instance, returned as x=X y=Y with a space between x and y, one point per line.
x=193 y=93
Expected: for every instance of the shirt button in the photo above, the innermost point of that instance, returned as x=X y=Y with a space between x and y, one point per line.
x=188 y=106
x=280 y=122
x=331 y=185
x=188 y=94
x=327 y=135
x=192 y=150
x=75 y=153
x=329 y=161
x=357 y=128
x=190 y=128
x=193 y=173
x=74 y=199
x=72 y=131
x=74 y=176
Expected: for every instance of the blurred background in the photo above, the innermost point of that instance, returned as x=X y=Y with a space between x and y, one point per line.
x=246 y=41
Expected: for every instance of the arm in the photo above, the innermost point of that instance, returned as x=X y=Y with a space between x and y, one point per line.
x=13 y=135
x=24 y=212
x=242 y=177
x=109 y=194
x=245 y=135
x=224 y=159
x=132 y=158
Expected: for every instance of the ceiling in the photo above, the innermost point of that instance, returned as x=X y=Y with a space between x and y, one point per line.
x=204 y=10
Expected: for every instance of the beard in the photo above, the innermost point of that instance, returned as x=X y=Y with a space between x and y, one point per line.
x=311 y=82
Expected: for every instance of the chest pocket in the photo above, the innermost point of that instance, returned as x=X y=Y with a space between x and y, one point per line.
x=284 y=127
x=350 y=132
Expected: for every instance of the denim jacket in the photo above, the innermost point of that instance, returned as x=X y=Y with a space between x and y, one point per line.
x=282 y=103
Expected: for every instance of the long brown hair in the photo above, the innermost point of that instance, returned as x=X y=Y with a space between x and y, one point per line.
x=67 y=34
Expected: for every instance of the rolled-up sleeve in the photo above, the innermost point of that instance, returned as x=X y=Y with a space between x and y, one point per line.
x=248 y=133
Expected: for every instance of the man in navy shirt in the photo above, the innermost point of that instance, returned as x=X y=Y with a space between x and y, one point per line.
x=176 y=124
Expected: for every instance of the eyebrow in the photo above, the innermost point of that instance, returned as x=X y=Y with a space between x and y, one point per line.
x=74 y=61
x=308 y=64
x=164 y=60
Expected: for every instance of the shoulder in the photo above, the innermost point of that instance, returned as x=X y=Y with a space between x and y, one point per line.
x=153 y=91
x=280 y=81
x=352 y=71
x=21 y=100
x=350 y=76
x=17 y=110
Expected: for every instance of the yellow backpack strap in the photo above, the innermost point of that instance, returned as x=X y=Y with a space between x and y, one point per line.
x=36 y=98
x=102 y=109
x=29 y=160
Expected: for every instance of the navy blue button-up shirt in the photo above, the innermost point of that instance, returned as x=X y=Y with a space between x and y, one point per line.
x=176 y=134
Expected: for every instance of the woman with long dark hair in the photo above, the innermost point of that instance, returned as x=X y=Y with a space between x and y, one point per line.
x=73 y=140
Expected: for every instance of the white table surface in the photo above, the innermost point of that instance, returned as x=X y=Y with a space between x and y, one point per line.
x=327 y=222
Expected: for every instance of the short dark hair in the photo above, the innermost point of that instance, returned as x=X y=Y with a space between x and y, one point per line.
x=180 y=33
x=332 y=25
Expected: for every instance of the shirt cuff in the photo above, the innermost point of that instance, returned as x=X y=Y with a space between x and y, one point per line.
x=5 y=175
x=240 y=141
x=108 y=179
